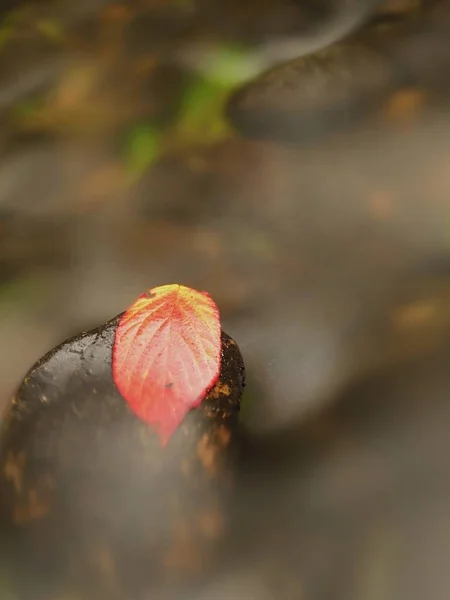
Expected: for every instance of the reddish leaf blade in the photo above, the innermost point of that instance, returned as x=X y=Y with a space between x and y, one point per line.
x=166 y=354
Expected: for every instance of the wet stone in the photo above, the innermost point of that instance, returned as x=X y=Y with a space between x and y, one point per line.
x=91 y=505
x=314 y=94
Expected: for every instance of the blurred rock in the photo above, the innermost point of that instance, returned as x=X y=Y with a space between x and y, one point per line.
x=315 y=94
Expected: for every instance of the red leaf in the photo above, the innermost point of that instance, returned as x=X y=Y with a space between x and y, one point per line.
x=166 y=354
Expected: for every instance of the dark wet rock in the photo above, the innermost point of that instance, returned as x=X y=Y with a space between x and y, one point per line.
x=91 y=504
x=315 y=93
x=340 y=86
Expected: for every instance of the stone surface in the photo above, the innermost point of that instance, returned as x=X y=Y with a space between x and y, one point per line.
x=91 y=505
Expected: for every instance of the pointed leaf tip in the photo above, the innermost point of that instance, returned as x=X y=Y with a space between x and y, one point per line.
x=167 y=354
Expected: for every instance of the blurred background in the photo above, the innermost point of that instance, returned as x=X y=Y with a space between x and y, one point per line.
x=291 y=157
